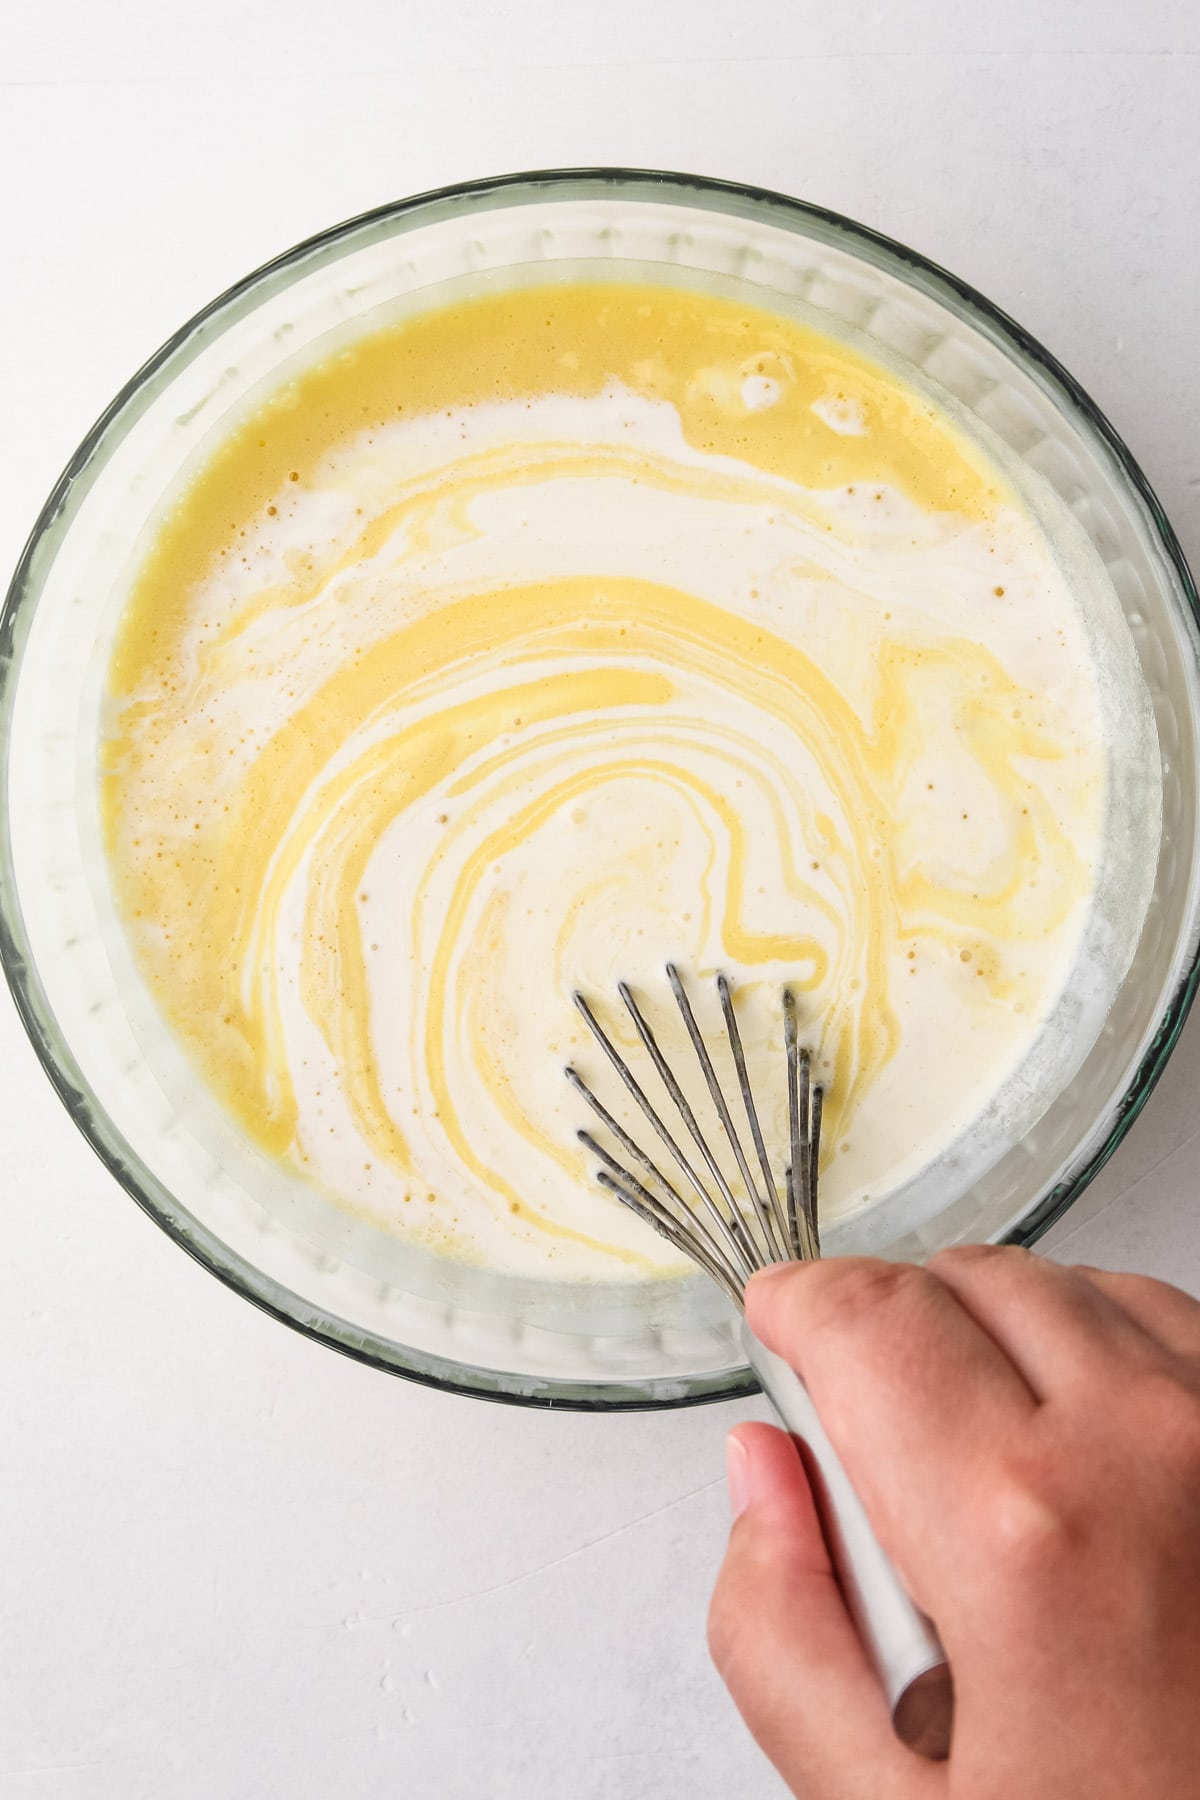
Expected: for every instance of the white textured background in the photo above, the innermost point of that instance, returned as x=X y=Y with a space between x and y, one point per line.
x=232 y=1565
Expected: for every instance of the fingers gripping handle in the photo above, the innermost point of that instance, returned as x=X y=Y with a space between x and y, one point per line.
x=900 y=1640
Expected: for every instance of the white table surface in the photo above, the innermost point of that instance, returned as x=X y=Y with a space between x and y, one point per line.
x=233 y=1565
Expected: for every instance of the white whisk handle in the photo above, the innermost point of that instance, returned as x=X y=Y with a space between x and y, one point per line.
x=902 y=1643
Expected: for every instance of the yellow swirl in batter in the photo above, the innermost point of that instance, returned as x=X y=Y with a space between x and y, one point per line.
x=547 y=636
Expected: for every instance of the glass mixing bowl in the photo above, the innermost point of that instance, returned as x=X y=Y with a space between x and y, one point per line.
x=102 y=1043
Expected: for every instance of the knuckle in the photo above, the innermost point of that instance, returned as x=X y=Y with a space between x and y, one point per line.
x=970 y=1256
x=862 y=1289
x=965 y=1253
x=1143 y=1289
x=1030 y=1532
x=1170 y=1412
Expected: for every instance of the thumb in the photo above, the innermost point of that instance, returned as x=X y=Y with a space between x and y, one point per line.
x=786 y=1647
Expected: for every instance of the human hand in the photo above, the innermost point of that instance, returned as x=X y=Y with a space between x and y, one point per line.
x=1026 y=1441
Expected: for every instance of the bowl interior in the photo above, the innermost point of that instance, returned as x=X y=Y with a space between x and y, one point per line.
x=100 y=1035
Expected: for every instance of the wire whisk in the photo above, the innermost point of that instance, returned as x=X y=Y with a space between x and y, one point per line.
x=729 y=1234
x=731 y=1228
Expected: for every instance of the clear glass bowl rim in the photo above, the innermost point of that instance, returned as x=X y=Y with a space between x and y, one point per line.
x=55 y=517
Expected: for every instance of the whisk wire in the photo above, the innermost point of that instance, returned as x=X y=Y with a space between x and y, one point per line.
x=729 y=1238
x=732 y=1237
x=628 y=1144
x=667 y=1076
x=782 y=1244
x=660 y=1215
x=761 y=1215
x=814 y=1159
x=639 y=1199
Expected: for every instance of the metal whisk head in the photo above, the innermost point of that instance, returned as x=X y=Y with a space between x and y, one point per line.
x=729 y=1234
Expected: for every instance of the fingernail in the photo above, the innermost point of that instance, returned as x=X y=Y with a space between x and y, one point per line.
x=737 y=1474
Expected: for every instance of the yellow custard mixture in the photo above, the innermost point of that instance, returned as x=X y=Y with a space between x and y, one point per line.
x=541 y=639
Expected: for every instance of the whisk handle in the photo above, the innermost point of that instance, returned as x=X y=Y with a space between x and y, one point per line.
x=902 y=1643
